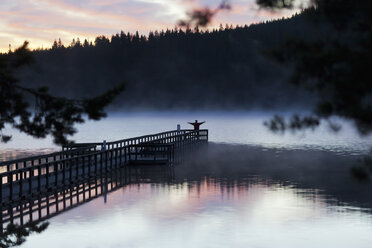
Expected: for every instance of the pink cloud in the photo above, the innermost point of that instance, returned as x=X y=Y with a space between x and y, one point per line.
x=42 y=21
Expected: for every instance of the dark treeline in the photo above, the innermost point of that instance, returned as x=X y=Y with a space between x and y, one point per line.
x=223 y=68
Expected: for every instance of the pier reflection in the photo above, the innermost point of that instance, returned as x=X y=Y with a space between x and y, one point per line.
x=39 y=207
x=247 y=189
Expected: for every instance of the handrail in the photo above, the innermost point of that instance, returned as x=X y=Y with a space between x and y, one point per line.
x=141 y=137
x=81 y=147
x=58 y=161
x=35 y=157
x=34 y=178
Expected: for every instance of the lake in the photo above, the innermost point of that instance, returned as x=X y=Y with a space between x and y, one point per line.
x=247 y=188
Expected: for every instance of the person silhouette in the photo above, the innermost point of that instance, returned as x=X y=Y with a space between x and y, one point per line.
x=196 y=124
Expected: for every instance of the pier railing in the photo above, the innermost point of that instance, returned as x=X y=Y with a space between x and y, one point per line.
x=16 y=164
x=177 y=137
x=163 y=138
x=31 y=178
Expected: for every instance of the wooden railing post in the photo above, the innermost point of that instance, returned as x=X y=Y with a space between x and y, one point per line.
x=37 y=171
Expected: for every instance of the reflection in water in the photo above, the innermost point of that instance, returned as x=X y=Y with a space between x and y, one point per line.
x=38 y=207
x=227 y=196
x=207 y=215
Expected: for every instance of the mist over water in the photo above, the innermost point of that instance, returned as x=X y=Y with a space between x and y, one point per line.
x=227 y=196
x=224 y=127
x=247 y=188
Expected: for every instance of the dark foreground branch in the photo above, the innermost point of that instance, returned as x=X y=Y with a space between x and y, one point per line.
x=52 y=115
x=15 y=235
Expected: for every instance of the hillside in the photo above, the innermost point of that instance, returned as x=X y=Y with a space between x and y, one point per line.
x=227 y=68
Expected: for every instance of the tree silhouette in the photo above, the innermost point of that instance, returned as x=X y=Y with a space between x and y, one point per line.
x=336 y=68
x=203 y=16
x=326 y=44
x=223 y=68
x=275 y=4
x=48 y=115
x=15 y=235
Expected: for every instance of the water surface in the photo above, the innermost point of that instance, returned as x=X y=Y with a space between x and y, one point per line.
x=227 y=196
x=248 y=188
x=224 y=127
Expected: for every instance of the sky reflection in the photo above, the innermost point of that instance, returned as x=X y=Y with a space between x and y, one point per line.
x=207 y=215
x=252 y=193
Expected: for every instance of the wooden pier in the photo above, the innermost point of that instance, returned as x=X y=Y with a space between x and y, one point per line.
x=27 y=184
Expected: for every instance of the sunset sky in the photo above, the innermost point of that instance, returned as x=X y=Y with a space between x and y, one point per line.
x=43 y=21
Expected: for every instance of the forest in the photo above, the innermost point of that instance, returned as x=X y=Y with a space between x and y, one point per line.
x=181 y=68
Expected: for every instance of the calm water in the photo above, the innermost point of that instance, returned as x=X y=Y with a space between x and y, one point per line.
x=231 y=128
x=248 y=188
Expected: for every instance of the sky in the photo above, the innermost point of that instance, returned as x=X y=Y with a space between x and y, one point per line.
x=42 y=21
